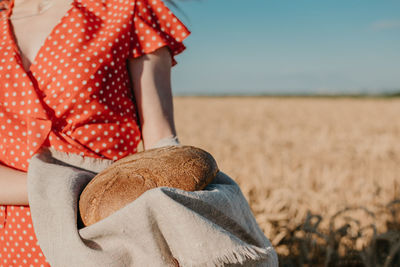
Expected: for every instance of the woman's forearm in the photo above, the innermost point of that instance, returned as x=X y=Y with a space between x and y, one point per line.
x=13 y=186
x=151 y=75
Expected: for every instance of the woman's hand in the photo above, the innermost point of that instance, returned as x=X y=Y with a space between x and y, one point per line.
x=13 y=187
x=151 y=78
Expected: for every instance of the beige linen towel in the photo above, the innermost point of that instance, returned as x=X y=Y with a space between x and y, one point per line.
x=212 y=227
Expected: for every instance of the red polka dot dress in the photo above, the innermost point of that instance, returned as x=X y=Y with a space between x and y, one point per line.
x=77 y=95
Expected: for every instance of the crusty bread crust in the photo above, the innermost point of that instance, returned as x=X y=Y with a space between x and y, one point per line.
x=185 y=167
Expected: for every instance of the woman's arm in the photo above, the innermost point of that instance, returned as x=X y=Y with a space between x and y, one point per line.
x=13 y=187
x=151 y=77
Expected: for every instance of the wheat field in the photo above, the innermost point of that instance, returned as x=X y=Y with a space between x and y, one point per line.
x=301 y=162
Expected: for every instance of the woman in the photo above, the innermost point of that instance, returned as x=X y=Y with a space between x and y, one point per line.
x=78 y=77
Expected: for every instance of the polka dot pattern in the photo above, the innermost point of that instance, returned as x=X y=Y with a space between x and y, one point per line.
x=156 y=26
x=76 y=96
x=18 y=243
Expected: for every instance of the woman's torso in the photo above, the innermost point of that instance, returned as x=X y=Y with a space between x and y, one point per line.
x=76 y=96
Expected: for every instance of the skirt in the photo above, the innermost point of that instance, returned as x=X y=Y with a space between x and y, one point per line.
x=18 y=243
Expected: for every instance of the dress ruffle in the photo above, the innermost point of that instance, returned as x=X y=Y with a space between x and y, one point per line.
x=155 y=26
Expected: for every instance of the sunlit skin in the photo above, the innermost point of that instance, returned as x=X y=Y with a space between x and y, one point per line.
x=150 y=75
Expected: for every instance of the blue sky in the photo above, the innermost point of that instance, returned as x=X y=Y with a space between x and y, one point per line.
x=282 y=46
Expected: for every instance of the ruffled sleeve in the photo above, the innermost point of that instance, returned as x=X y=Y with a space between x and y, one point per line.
x=155 y=26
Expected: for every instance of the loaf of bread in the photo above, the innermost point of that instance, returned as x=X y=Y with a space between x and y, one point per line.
x=184 y=167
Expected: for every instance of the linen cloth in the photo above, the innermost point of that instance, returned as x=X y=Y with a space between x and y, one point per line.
x=211 y=227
